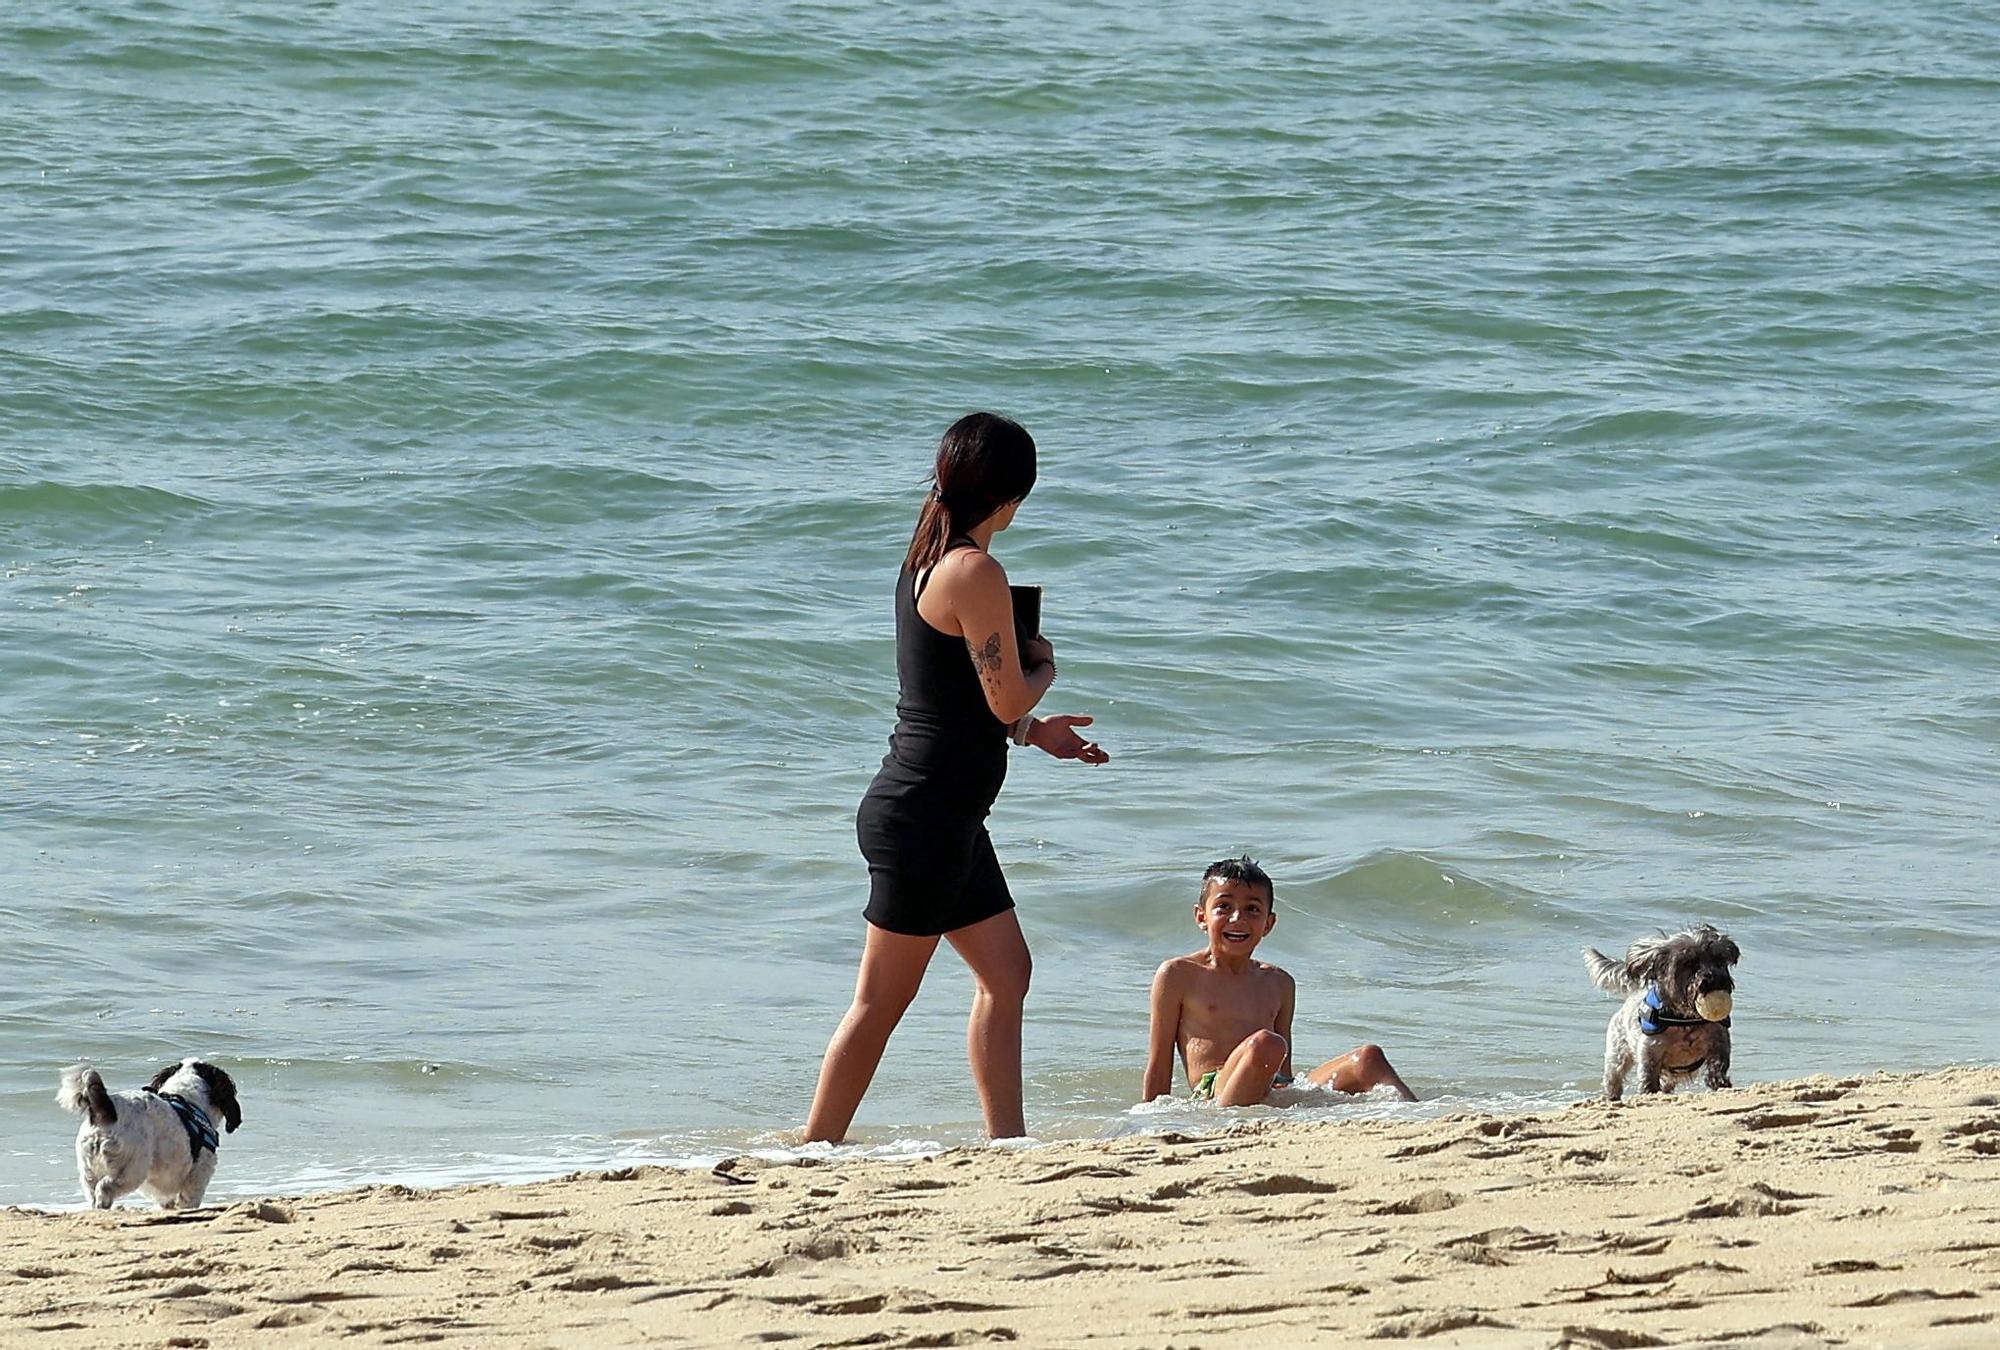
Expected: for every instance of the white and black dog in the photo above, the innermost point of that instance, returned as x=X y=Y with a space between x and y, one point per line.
x=1675 y=1018
x=161 y=1140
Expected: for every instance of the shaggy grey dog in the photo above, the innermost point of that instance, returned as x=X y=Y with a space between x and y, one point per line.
x=160 y=1140
x=1674 y=1022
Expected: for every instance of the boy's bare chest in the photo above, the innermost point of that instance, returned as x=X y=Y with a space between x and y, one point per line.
x=1211 y=1010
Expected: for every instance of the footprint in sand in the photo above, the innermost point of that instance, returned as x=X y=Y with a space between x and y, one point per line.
x=815 y=1247
x=1057 y=1272
x=1911 y=1296
x=1848 y=1267
x=1471 y=1254
x=1987 y=1125
x=189 y=1290
x=259 y=1211
x=1113 y=1204
x=1665 y=1275
x=850 y=1307
x=1604 y=1338
x=551 y=1243
x=1755 y=1201
x=1748 y=1205
x=373 y=1268
x=1787 y=1334
x=197 y=1309
x=1079 y=1170
x=1522 y=1128
x=1424 y=1202
x=1430 y=1324
x=165 y=1272
x=1513 y=1239
x=314 y=1296
x=933 y=1306
x=1286 y=1183
x=1237 y=1310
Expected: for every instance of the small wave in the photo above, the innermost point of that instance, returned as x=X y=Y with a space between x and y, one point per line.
x=1413 y=888
x=61 y=508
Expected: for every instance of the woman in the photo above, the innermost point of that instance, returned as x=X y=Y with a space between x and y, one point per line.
x=966 y=688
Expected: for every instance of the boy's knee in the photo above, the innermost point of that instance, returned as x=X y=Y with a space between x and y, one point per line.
x=1269 y=1048
x=1370 y=1059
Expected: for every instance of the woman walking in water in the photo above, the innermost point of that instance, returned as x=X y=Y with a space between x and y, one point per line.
x=966 y=686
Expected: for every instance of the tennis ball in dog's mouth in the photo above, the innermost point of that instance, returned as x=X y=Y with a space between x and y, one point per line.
x=1713 y=1006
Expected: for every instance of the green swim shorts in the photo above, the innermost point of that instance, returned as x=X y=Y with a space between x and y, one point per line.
x=1204 y=1091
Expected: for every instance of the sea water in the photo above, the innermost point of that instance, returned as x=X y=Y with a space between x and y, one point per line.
x=1527 y=472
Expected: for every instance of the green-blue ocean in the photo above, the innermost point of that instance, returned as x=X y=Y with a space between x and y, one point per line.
x=1529 y=473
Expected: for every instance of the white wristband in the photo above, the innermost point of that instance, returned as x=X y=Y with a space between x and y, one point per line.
x=1018 y=731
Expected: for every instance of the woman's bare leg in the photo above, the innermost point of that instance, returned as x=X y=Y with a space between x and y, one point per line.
x=1360 y=1071
x=998 y=955
x=892 y=967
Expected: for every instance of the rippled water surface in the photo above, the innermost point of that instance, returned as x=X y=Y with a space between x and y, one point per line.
x=1527 y=472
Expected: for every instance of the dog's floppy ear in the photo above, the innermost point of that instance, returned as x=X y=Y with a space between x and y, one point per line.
x=221 y=1094
x=1719 y=943
x=160 y=1078
x=1646 y=960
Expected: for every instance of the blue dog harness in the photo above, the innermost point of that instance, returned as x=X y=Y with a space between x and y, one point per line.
x=1654 y=1018
x=201 y=1134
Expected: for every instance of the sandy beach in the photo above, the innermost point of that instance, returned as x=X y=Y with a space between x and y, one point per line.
x=1851 y=1211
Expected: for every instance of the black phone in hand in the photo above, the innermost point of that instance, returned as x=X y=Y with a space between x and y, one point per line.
x=1027 y=613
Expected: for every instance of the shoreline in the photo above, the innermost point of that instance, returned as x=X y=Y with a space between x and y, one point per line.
x=1813 y=1212
x=877 y=1141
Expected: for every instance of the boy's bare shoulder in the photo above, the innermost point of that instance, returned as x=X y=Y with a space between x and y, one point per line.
x=1180 y=966
x=1277 y=973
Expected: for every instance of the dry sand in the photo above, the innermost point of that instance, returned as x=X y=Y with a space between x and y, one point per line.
x=1823 y=1212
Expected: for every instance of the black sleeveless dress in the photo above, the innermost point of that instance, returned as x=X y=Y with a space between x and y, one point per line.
x=922 y=823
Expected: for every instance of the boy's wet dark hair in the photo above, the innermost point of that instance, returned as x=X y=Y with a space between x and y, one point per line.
x=1244 y=868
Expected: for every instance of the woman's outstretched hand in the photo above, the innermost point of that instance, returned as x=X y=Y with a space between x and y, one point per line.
x=1057 y=736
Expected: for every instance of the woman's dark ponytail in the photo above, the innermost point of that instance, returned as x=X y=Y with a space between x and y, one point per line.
x=984 y=461
x=932 y=534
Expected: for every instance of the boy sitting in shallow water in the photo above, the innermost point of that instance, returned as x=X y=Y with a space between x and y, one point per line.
x=1230 y=1016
